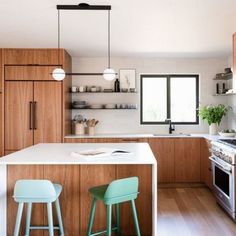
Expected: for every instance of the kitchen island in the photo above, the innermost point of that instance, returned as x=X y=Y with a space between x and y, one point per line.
x=76 y=174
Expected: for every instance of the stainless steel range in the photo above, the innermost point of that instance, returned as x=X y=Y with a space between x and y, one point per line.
x=223 y=161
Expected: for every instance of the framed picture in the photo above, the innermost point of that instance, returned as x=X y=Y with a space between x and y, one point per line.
x=127 y=78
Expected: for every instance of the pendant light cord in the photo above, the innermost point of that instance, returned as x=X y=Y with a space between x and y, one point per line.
x=109 y=38
x=58 y=37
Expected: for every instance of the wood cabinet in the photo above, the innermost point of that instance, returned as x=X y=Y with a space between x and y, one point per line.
x=48 y=112
x=187 y=160
x=163 y=149
x=1 y=125
x=33 y=98
x=19 y=72
x=178 y=159
x=32 y=113
x=18 y=112
x=75 y=199
x=206 y=169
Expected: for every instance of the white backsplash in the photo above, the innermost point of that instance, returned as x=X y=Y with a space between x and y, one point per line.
x=128 y=121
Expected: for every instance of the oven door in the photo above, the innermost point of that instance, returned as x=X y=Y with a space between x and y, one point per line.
x=223 y=182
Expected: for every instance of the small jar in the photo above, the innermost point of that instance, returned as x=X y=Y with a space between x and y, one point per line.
x=79 y=128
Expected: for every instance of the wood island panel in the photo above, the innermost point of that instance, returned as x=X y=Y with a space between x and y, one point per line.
x=76 y=201
x=143 y=202
x=14 y=173
x=90 y=176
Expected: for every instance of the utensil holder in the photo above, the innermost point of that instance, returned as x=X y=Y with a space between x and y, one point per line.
x=91 y=130
x=79 y=128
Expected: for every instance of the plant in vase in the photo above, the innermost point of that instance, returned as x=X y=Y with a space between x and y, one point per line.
x=213 y=114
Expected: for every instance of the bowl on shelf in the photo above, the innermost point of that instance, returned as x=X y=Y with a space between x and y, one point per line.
x=228 y=133
x=96 y=106
x=110 y=106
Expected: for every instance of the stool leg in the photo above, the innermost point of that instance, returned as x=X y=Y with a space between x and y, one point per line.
x=18 y=218
x=135 y=218
x=109 y=214
x=50 y=219
x=118 y=218
x=28 y=217
x=58 y=210
x=91 y=217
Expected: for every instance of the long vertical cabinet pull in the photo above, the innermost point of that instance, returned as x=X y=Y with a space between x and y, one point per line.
x=30 y=116
x=34 y=116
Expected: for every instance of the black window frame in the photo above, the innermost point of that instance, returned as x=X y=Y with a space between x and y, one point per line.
x=168 y=81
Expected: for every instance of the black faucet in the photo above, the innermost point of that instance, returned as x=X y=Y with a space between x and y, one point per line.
x=171 y=127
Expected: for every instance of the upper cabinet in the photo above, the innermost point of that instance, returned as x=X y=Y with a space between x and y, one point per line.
x=28 y=72
x=32 y=56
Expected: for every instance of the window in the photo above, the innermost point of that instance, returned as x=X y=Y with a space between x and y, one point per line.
x=169 y=96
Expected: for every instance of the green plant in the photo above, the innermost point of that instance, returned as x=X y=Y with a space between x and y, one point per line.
x=213 y=114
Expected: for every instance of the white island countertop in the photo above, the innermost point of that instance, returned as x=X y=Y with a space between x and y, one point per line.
x=60 y=153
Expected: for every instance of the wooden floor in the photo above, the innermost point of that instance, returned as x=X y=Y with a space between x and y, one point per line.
x=193 y=212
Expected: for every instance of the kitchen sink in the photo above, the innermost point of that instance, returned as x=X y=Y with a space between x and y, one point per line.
x=172 y=135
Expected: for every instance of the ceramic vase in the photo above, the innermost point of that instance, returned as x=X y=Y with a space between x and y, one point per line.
x=213 y=129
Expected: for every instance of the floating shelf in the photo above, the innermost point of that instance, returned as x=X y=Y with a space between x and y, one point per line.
x=224 y=94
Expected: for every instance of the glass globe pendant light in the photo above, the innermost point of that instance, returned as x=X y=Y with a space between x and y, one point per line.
x=58 y=73
x=109 y=73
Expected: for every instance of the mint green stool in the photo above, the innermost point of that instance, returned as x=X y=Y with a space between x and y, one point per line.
x=37 y=191
x=118 y=191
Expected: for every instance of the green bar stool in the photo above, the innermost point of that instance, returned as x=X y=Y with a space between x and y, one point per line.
x=118 y=191
x=37 y=191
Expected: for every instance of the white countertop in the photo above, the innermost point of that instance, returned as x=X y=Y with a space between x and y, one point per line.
x=60 y=153
x=113 y=135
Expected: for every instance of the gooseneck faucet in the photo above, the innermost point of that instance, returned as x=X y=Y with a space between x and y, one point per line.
x=171 y=126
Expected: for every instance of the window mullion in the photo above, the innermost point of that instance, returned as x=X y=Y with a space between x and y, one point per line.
x=168 y=97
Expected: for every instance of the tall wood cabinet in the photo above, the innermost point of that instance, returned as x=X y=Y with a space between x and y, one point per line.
x=36 y=107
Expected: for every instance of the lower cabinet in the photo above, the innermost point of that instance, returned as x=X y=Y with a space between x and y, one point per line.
x=206 y=171
x=178 y=159
x=163 y=149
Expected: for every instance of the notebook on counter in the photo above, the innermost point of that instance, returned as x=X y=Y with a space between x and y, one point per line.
x=100 y=152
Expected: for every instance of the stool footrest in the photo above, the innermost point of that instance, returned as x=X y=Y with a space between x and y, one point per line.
x=102 y=232
x=44 y=227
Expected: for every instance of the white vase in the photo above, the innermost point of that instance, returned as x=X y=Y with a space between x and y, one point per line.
x=213 y=129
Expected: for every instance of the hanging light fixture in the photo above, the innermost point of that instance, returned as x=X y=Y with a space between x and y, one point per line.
x=58 y=73
x=108 y=74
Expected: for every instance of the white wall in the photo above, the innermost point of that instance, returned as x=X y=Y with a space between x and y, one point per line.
x=128 y=121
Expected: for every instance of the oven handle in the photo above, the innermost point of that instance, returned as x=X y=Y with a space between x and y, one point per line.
x=229 y=171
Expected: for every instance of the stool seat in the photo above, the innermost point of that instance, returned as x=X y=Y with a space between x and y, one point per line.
x=118 y=191
x=37 y=191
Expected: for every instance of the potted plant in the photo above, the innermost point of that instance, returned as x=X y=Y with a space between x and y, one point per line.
x=213 y=114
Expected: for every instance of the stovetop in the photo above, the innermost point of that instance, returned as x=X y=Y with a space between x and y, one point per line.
x=229 y=142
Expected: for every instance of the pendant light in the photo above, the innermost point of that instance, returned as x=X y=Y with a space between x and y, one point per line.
x=58 y=73
x=108 y=74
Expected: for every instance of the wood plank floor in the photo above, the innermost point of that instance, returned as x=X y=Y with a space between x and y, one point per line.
x=191 y=212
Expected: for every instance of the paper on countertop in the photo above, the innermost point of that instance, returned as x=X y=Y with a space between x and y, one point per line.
x=100 y=152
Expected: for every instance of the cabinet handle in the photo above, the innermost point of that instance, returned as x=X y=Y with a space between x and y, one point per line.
x=34 y=116
x=209 y=169
x=30 y=116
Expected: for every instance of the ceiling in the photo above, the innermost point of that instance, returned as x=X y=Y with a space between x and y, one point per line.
x=150 y=28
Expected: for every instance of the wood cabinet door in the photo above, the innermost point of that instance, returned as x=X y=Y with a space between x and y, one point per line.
x=206 y=169
x=18 y=132
x=163 y=149
x=187 y=160
x=1 y=126
x=47 y=112
x=21 y=72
